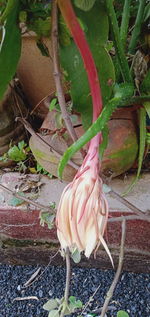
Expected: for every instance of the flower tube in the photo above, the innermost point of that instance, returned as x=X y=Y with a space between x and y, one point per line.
x=83 y=209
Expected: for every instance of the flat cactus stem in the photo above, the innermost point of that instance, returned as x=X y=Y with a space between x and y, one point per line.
x=81 y=42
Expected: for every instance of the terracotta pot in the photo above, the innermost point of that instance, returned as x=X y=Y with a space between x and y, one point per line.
x=10 y=130
x=119 y=156
x=35 y=73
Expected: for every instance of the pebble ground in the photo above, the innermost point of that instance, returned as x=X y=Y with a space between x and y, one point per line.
x=132 y=293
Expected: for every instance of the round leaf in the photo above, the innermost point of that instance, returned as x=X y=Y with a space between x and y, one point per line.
x=122 y=313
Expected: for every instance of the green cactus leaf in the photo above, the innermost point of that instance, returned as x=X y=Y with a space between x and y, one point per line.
x=73 y=66
x=10 y=49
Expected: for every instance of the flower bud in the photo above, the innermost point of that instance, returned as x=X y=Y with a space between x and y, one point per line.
x=83 y=209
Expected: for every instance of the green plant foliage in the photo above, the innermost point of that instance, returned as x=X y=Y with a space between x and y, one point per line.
x=122 y=313
x=74 y=304
x=51 y=304
x=124 y=89
x=54 y=313
x=53 y=104
x=145 y=85
x=71 y=61
x=85 y=5
x=64 y=33
x=18 y=153
x=56 y=306
x=41 y=170
x=16 y=201
x=6 y=8
x=47 y=218
x=96 y=127
x=76 y=255
x=142 y=142
x=147 y=12
x=10 y=49
x=147 y=107
x=42 y=27
x=36 y=15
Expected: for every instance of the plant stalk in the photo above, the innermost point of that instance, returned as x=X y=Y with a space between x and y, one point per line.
x=118 y=272
x=125 y=23
x=68 y=276
x=80 y=40
x=137 y=27
x=117 y=41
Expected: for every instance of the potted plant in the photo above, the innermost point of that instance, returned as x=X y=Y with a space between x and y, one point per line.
x=111 y=49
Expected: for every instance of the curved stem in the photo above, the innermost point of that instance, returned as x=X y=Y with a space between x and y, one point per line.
x=118 y=45
x=137 y=27
x=80 y=40
x=125 y=22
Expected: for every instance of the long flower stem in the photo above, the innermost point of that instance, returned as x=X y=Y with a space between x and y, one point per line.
x=119 y=47
x=68 y=275
x=80 y=40
x=125 y=22
x=137 y=27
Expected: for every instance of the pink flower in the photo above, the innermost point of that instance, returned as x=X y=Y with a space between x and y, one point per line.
x=83 y=209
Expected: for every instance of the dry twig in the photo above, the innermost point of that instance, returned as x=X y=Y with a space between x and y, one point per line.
x=130 y=217
x=137 y=211
x=126 y=203
x=118 y=272
x=26 y=298
x=34 y=277
x=29 y=201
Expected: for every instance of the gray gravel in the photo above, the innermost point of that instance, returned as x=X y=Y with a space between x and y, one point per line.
x=132 y=293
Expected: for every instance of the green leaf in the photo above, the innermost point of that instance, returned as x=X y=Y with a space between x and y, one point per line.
x=9 y=7
x=96 y=127
x=52 y=104
x=145 y=85
x=85 y=5
x=54 y=313
x=22 y=145
x=76 y=255
x=124 y=90
x=16 y=201
x=46 y=217
x=142 y=143
x=148 y=138
x=147 y=12
x=122 y=313
x=71 y=61
x=10 y=49
x=42 y=27
x=16 y=154
x=74 y=304
x=147 y=107
x=22 y=16
x=64 y=33
x=51 y=305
